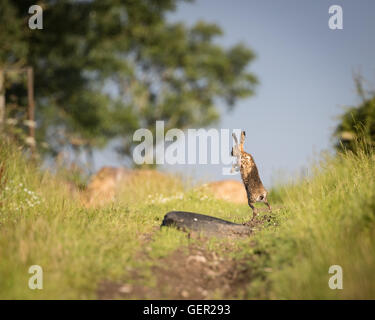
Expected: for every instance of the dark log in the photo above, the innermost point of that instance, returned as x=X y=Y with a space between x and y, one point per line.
x=207 y=225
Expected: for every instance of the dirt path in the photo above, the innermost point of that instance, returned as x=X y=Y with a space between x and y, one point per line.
x=188 y=273
x=194 y=273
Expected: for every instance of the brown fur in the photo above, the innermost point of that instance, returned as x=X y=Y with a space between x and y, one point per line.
x=255 y=190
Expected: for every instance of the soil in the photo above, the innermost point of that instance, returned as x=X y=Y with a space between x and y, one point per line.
x=194 y=273
x=188 y=273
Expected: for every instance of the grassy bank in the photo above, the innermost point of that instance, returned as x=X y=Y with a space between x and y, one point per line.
x=327 y=220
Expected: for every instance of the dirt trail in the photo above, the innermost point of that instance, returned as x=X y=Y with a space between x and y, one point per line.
x=188 y=273
x=194 y=273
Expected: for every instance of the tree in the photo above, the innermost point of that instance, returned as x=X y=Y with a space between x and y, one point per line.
x=104 y=68
x=357 y=124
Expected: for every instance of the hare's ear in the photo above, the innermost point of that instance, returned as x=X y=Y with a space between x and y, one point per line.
x=243 y=135
x=234 y=138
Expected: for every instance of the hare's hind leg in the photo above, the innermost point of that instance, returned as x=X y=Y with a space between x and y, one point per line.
x=265 y=200
x=251 y=205
x=268 y=205
x=250 y=201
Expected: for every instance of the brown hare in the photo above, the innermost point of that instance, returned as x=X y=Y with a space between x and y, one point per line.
x=255 y=190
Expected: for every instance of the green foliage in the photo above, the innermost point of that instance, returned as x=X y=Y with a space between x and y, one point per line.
x=106 y=68
x=357 y=124
x=12 y=35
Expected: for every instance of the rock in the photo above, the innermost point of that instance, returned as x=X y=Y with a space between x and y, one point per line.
x=185 y=294
x=126 y=288
x=105 y=185
x=212 y=274
x=196 y=258
x=228 y=190
x=203 y=292
x=207 y=225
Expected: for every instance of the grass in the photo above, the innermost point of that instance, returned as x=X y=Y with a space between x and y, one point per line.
x=78 y=247
x=327 y=219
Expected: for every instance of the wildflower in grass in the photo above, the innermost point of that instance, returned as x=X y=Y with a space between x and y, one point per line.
x=18 y=197
x=159 y=198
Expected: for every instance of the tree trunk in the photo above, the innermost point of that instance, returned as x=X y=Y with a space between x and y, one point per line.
x=31 y=108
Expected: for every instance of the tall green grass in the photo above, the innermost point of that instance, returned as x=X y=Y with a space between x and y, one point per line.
x=326 y=219
x=329 y=219
x=43 y=223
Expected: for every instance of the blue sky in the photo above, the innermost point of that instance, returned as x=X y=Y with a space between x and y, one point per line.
x=305 y=71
